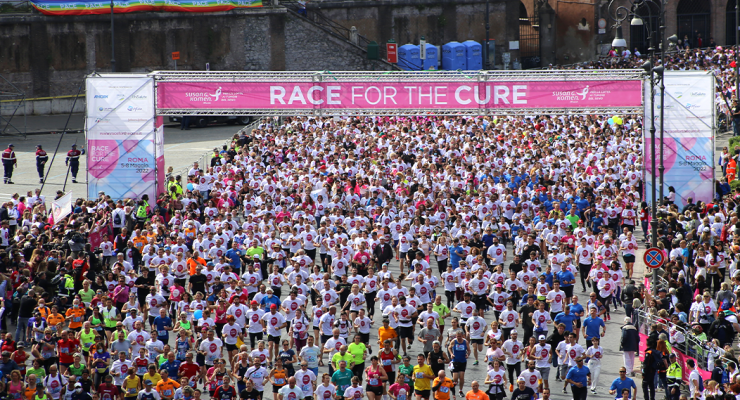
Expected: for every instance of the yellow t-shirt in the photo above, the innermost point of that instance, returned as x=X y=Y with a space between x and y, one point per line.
x=154 y=378
x=131 y=386
x=421 y=382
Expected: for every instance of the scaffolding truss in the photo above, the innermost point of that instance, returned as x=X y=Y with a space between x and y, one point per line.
x=12 y=107
x=380 y=77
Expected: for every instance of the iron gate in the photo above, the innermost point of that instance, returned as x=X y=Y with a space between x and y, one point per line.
x=529 y=41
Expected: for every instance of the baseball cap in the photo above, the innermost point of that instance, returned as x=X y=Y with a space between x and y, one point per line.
x=273 y=307
x=78 y=384
x=148 y=382
x=542 y=337
x=254 y=303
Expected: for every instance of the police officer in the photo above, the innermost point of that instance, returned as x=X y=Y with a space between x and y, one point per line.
x=675 y=378
x=41 y=159
x=73 y=160
x=9 y=162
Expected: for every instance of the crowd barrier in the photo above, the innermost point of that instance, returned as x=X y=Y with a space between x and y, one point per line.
x=690 y=348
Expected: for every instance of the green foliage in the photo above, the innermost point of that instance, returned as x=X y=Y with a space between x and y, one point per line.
x=734 y=185
x=734 y=141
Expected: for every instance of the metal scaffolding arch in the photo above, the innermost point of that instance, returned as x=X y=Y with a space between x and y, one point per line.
x=12 y=103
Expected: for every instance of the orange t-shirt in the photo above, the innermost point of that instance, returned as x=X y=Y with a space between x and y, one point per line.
x=481 y=395
x=443 y=393
x=78 y=316
x=192 y=264
x=384 y=334
x=54 y=319
x=167 y=388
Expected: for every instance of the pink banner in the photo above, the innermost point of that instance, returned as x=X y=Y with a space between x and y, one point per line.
x=396 y=95
x=680 y=358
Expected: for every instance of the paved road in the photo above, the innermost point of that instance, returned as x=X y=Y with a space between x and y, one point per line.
x=181 y=149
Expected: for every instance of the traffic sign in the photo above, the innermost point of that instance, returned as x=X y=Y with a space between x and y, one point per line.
x=175 y=55
x=654 y=258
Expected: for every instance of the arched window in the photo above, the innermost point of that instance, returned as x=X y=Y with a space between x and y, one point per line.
x=731 y=25
x=693 y=22
x=650 y=14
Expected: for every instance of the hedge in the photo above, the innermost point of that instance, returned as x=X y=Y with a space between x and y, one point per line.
x=734 y=141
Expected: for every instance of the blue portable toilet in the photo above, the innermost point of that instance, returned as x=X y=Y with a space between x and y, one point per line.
x=408 y=57
x=453 y=56
x=473 y=55
x=431 y=62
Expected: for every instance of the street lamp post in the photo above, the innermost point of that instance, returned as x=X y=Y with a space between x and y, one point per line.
x=487 y=63
x=112 y=41
x=619 y=14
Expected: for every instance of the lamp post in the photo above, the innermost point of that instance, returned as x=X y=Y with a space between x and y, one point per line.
x=487 y=63
x=112 y=41
x=619 y=14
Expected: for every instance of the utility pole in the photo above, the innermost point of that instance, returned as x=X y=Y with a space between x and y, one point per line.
x=112 y=41
x=486 y=63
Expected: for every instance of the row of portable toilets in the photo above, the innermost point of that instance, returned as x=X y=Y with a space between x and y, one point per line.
x=466 y=56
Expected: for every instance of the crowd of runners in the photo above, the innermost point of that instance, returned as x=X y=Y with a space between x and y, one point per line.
x=507 y=241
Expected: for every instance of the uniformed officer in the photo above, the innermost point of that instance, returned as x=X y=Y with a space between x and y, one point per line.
x=41 y=159
x=73 y=160
x=9 y=162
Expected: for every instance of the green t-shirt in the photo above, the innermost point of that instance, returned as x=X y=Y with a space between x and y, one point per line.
x=409 y=372
x=342 y=380
x=337 y=357
x=86 y=296
x=441 y=310
x=255 y=250
x=75 y=370
x=39 y=372
x=357 y=351
x=573 y=220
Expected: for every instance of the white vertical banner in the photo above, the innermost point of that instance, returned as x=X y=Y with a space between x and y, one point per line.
x=60 y=208
x=688 y=136
x=120 y=131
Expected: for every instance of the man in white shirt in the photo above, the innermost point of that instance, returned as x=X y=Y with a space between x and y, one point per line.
x=475 y=328
x=273 y=323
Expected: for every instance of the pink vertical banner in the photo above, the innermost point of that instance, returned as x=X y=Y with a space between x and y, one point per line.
x=159 y=154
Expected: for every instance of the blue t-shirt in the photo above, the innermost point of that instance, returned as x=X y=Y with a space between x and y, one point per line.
x=163 y=334
x=567 y=319
x=619 y=385
x=454 y=258
x=564 y=276
x=234 y=260
x=171 y=366
x=592 y=326
x=579 y=375
x=576 y=309
x=267 y=301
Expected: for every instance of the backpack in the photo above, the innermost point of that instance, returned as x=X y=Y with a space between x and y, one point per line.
x=655 y=359
x=701 y=383
x=117 y=219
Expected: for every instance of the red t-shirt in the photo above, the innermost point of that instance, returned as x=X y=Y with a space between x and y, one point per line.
x=107 y=392
x=188 y=369
x=67 y=349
